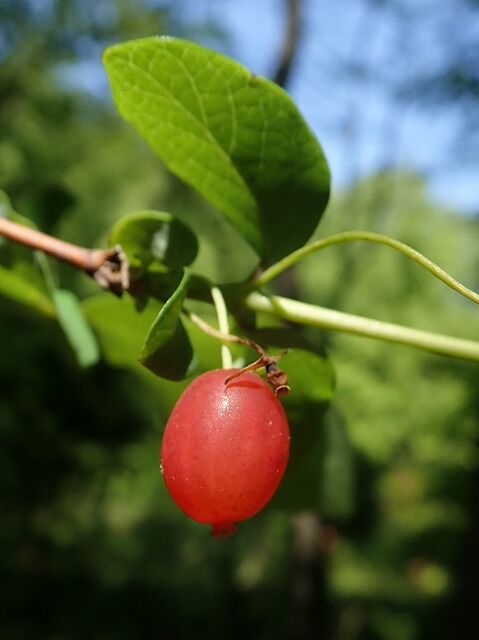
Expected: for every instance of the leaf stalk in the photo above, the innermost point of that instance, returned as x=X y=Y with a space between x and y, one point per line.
x=368 y=236
x=316 y=316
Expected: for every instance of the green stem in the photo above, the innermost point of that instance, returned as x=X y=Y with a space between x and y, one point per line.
x=222 y=314
x=315 y=316
x=368 y=236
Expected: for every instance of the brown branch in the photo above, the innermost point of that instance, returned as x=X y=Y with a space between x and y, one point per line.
x=108 y=267
x=290 y=42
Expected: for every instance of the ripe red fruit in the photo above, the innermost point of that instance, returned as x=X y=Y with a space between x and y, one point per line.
x=225 y=448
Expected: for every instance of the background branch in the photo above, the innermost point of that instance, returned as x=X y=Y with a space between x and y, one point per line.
x=290 y=42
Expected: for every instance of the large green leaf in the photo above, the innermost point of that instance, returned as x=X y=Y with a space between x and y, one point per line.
x=167 y=350
x=238 y=139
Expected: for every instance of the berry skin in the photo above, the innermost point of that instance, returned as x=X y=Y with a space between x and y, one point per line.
x=225 y=448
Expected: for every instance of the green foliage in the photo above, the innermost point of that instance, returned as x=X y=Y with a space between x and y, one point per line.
x=158 y=245
x=312 y=379
x=154 y=241
x=16 y=287
x=30 y=281
x=236 y=138
x=409 y=416
x=167 y=350
x=77 y=330
x=20 y=278
x=387 y=469
x=119 y=326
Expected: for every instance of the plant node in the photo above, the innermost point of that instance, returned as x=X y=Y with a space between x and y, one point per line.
x=111 y=270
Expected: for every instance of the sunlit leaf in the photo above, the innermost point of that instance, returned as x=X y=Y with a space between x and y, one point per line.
x=237 y=138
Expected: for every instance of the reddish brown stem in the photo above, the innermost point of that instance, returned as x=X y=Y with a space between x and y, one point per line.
x=109 y=267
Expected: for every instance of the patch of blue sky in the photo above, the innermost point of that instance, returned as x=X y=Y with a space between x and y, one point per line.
x=351 y=77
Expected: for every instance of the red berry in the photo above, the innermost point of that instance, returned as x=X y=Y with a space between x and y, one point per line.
x=225 y=448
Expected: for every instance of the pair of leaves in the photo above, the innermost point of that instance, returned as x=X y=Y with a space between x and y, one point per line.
x=236 y=138
x=239 y=140
x=155 y=242
x=159 y=247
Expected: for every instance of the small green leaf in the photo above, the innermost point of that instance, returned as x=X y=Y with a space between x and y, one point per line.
x=24 y=283
x=70 y=316
x=119 y=326
x=238 y=139
x=76 y=328
x=20 y=289
x=155 y=240
x=167 y=350
x=5 y=205
x=20 y=279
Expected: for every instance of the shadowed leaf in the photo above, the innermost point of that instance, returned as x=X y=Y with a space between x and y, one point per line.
x=167 y=350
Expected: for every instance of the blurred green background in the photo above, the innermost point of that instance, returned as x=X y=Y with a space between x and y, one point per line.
x=91 y=545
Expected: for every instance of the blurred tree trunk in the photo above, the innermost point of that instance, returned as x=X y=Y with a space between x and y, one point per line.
x=290 y=44
x=308 y=582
